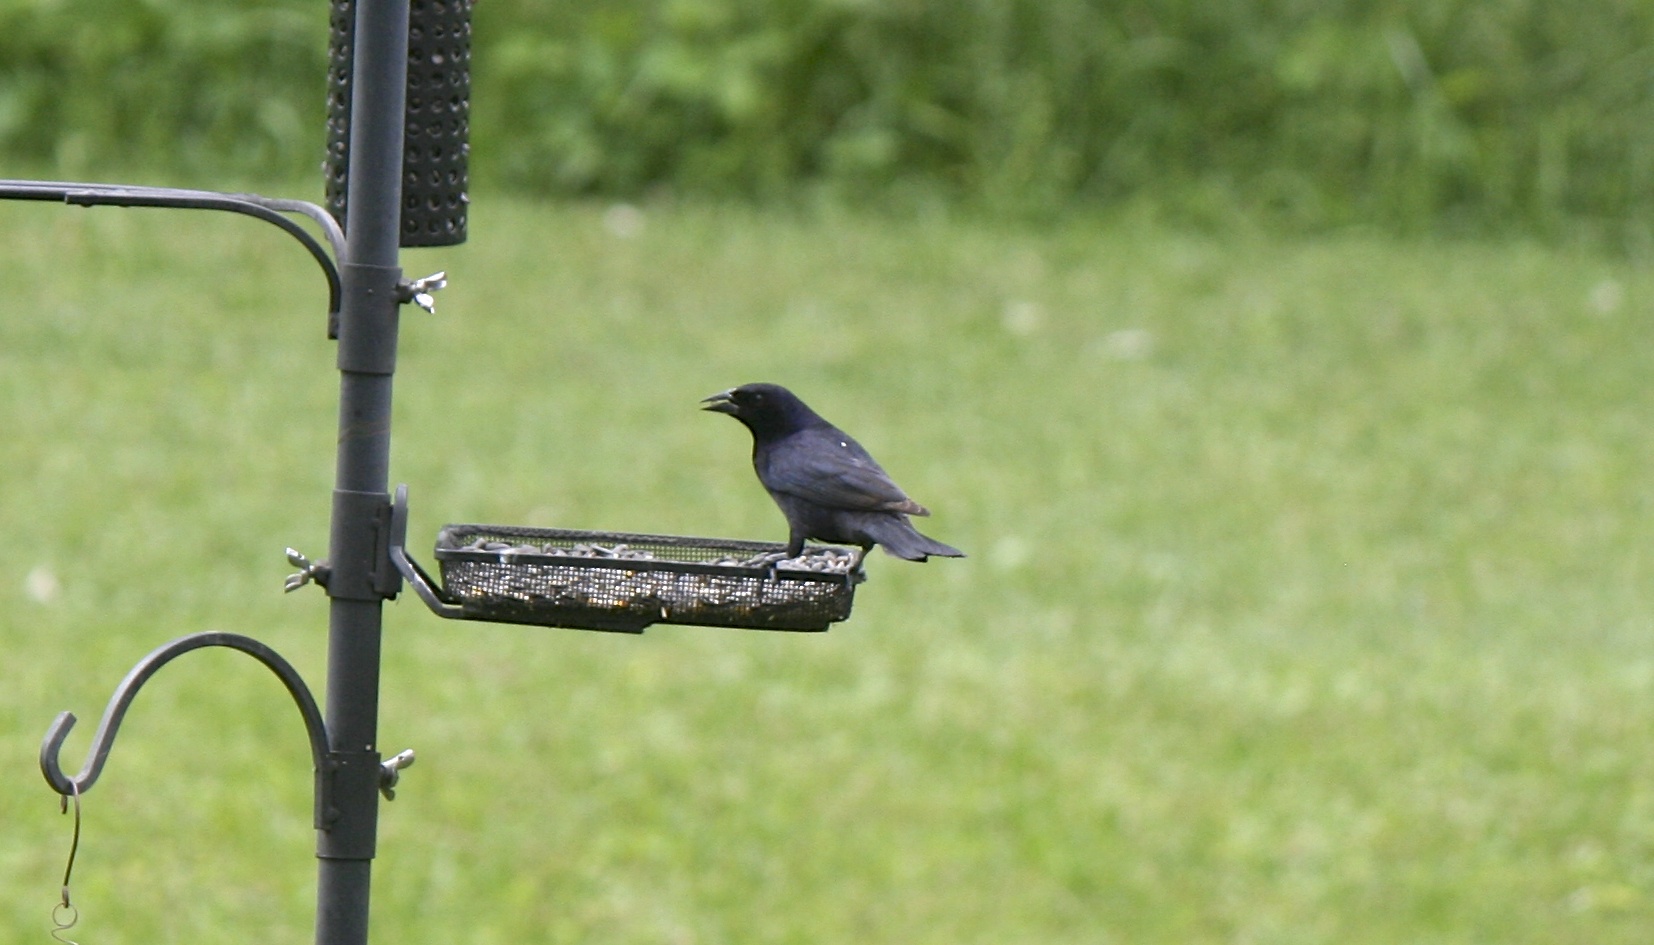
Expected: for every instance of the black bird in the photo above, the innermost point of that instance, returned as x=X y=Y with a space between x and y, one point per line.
x=827 y=486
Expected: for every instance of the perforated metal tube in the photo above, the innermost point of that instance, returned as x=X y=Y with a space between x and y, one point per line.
x=436 y=146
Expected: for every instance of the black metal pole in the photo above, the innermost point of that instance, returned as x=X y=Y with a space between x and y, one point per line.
x=362 y=576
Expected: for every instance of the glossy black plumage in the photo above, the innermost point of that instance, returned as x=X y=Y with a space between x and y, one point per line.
x=827 y=486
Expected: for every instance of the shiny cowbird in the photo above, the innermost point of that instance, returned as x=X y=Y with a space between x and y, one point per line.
x=828 y=487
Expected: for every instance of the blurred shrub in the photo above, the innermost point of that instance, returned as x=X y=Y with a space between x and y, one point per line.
x=190 y=86
x=1408 y=112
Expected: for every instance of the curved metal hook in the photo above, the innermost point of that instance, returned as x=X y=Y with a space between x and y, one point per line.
x=104 y=739
x=268 y=209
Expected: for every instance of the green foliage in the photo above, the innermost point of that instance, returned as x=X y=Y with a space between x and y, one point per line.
x=1319 y=112
x=1412 y=113
x=196 y=88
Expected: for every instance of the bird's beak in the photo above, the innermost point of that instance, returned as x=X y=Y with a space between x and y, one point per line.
x=720 y=402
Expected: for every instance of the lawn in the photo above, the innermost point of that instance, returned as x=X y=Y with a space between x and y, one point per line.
x=1309 y=594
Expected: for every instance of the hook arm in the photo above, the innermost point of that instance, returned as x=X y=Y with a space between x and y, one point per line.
x=268 y=209
x=104 y=739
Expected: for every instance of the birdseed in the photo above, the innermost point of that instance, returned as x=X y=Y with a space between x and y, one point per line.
x=523 y=578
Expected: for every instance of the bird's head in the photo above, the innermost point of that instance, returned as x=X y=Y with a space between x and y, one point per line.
x=766 y=409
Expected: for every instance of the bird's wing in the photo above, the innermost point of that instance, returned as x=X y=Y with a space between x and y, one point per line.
x=826 y=466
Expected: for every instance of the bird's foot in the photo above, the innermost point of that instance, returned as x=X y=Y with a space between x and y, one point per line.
x=770 y=561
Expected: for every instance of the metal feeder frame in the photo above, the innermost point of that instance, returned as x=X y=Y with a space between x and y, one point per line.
x=397 y=123
x=669 y=579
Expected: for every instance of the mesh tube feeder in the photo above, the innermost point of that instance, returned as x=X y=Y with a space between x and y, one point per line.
x=436 y=146
x=624 y=582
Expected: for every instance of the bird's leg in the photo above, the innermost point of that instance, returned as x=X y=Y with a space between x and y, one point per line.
x=795 y=547
x=850 y=572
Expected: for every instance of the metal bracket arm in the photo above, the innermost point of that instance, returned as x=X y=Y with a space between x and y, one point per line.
x=109 y=727
x=428 y=590
x=268 y=209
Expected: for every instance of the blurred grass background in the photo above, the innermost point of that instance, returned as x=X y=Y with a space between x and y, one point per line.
x=1306 y=601
x=1279 y=365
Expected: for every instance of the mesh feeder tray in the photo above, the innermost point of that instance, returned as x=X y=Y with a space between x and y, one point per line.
x=625 y=582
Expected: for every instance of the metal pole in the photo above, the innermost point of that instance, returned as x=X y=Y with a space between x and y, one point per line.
x=362 y=576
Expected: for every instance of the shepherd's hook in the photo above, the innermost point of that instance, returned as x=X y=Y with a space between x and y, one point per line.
x=104 y=739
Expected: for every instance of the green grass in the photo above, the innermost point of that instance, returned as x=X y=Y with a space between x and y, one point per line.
x=1308 y=601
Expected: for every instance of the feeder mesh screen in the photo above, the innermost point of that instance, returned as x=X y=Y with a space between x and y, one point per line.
x=618 y=581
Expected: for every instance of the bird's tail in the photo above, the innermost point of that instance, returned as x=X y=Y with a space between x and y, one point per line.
x=898 y=537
